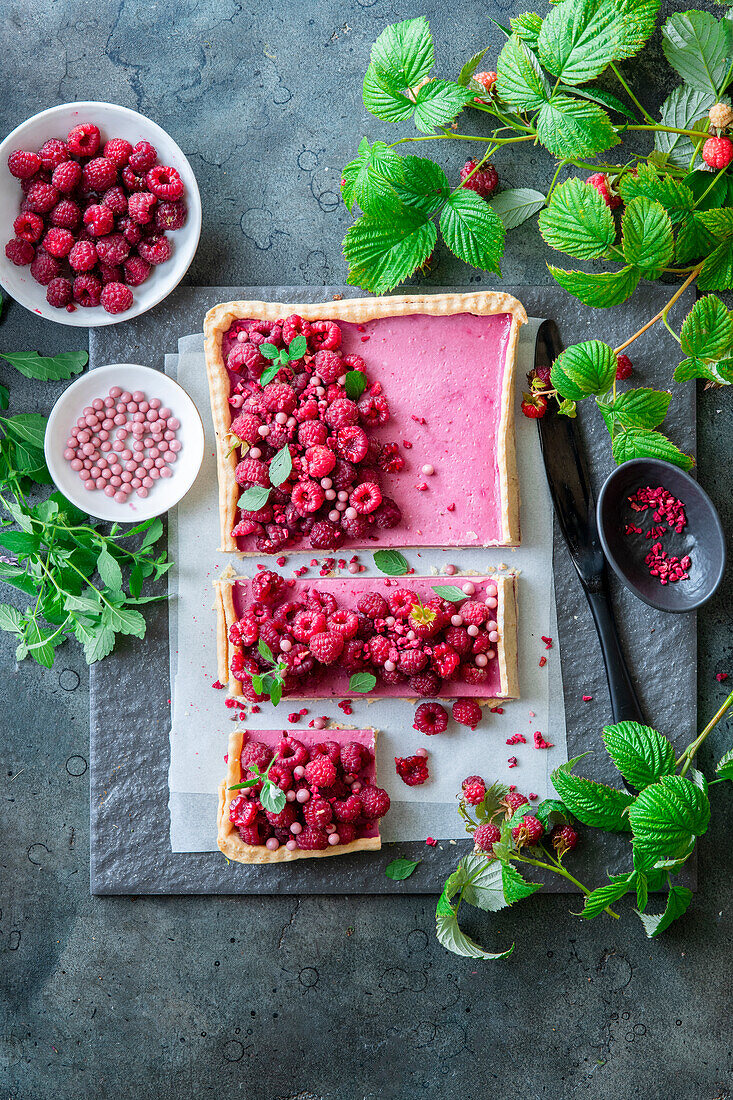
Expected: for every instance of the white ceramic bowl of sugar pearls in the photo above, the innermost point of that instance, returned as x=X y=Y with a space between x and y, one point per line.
x=124 y=443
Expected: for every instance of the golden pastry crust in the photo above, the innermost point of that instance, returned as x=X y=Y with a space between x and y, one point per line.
x=234 y=848
x=506 y=621
x=358 y=310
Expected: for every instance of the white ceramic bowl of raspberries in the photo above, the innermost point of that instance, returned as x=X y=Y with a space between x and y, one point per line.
x=110 y=217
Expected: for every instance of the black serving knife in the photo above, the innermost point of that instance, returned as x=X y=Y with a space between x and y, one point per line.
x=575 y=508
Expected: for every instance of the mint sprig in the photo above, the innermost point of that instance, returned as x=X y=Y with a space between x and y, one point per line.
x=271 y=796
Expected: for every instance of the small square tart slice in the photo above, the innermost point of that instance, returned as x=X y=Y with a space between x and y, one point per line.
x=446 y=363
x=228 y=838
x=232 y=597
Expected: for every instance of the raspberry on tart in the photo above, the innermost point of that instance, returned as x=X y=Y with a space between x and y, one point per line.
x=316 y=820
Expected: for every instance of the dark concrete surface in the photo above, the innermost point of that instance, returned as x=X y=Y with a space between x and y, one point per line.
x=322 y=998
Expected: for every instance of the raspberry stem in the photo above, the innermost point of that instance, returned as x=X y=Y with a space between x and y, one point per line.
x=687 y=756
x=664 y=311
x=557 y=868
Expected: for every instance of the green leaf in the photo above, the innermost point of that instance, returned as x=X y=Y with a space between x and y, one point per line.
x=438 y=103
x=472 y=230
x=400 y=868
x=264 y=651
x=639 y=752
x=699 y=47
x=383 y=100
x=578 y=41
x=404 y=52
x=368 y=179
x=644 y=443
x=568 y=408
x=124 y=620
x=453 y=939
x=98 y=642
x=272 y=798
x=678 y=901
x=27 y=427
x=391 y=562
x=152 y=534
x=109 y=570
x=693 y=241
x=38 y=647
x=642 y=891
x=725 y=765
x=269 y=351
x=527 y=27
x=516 y=887
x=577 y=221
x=721 y=372
x=516 y=205
x=355 y=384
x=254 y=498
x=381 y=256
x=420 y=186
x=17 y=577
x=685 y=108
x=676 y=197
x=276 y=692
x=639 y=18
x=717 y=271
x=647 y=239
x=47 y=368
x=642 y=408
x=551 y=811
x=20 y=542
x=10 y=618
x=297 y=348
x=608 y=288
x=606 y=99
x=666 y=817
x=521 y=83
x=281 y=465
x=584 y=369
x=470 y=67
x=707 y=331
x=592 y=803
x=709 y=188
x=600 y=899
x=570 y=128
x=482 y=887
x=450 y=592
x=362 y=682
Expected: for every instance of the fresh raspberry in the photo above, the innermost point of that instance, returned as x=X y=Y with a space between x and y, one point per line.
x=143 y=156
x=342 y=413
x=23 y=164
x=366 y=498
x=132 y=181
x=83 y=140
x=425 y=684
x=484 y=181
x=534 y=406
x=116 y=297
x=41 y=197
x=374 y=801
x=99 y=174
x=529 y=832
x=293 y=752
x=118 y=151
x=170 y=215
x=165 y=183
x=328 y=366
x=242 y=810
x=445 y=660
x=136 y=270
x=390 y=460
x=720 y=116
x=99 y=220
x=253 y=834
x=412 y=770
x=354 y=656
x=19 y=252
x=257 y=754
x=347 y=809
x=474 y=613
x=140 y=207
x=252 y=472
x=401 y=601
x=245 y=631
x=474 y=790
x=412 y=661
x=116 y=199
x=110 y=273
x=317 y=811
x=307 y=623
x=486 y=837
x=312 y=433
x=431 y=718
x=352 y=443
x=459 y=639
x=326 y=647
x=52 y=153
x=325 y=336
x=320 y=772
x=266 y=586
x=312 y=839
x=717 y=152
x=373 y=411
x=373 y=605
x=44 y=267
x=65 y=215
x=472 y=674
x=59 y=292
x=467 y=712
x=246 y=425
x=325 y=536
x=295 y=326
x=279 y=397
x=58 y=242
x=332 y=750
x=539 y=378
x=513 y=801
x=485 y=81
x=599 y=180
x=624 y=368
x=285 y=818
x=343 y=474
x=113 y=249
x=394 y=677
x=388 y=514
x=87 y=290
x=156 y=250
x=83 y=256
x=379 y=649
x=344 y=622
x=564 y=839
x=352 y=757
x=28 y=227
x=66 y=176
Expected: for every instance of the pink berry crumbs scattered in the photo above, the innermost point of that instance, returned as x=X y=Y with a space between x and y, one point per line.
x=668 y=514
x=587 y=698
x=431 y=841
x=540 y=743
x=721 y=676
x=517 y=739
x=512 y=762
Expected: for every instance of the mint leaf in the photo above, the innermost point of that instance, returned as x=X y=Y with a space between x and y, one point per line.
x=577 y=221
x=516 y=887
x=269 y=351
x=400 y=868
x=685 y=108
x=391 y=562
x=27 y=427
x=609 y=288
x=725 y=765
x=676 y=197
x=642 y=408
x=527 y=27
x=470 y=67
x=276 y=691
x=678 y=901
x=383 y=100
x=699 y=47
x=254 y=498
x=665 y=819
x=362 y=682
x=584 y=369
x=639 y=752
x=272 y=798
x=47 y=368
x=647 y=239
x=264 y=651
x=592 y=803
x=10 y=618
x=472 y=230
x=578 y=41
x=355 y=384
x=281 y=466
x=124 y=620
x=600 y=899
x=569 y=128
x=404 y=52
x=438 y=103
x=449 y=592
x=98 y=641
x=20 y=542
x=297 y=348
x=521 y=83
x=707 y=331
x=644 y=443
x=380 y=256
x=109 y=570
x=516 y=205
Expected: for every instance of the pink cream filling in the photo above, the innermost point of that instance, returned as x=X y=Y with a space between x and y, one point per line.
x=443 y=379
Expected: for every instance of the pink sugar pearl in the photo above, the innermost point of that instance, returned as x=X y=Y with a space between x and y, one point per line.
x=139 y=418
x=136 y=482
x=109 y=402
x=116 y=468
x=95 y=472
x=174 y=424
x=103 y=434
x=303 y=795
x=77 y=464
x=148 y=463
x=116 y=481
x=120 y=419
x=115 y=391
x=168 y=435
x=120 y=497
x=106 y=446
x=125 y=397
x=81 y=422
x=142 y=492
x=154 y=452
x=138 y=396
x=148 y=441
x=118 y=445
x=89 y=485
x=159 y=462
x=151 y=414
x=165 y=471
x=492 y=590
x=97 y=404
x=69 y=454
x=291 y=845
x=170 y=456
x=108 y=423
x=164 y=413
x=87 y=464
x=155 y=474
x=126 y=476
x=89 y=449
x=84 y=436
x=492 y=602
x=142 y=407
x=132 y=406
x=175 y=445
x=155 y=403
x=125 y=455
x=334 y=839
x=272 y=844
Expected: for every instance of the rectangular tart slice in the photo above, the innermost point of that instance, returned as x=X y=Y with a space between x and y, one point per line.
x=419 y=636
x=248 y=835
x=389 y=423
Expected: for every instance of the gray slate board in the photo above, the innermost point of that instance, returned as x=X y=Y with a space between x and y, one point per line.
x=130 y=719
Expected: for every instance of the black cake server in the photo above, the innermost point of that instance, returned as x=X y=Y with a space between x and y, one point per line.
x=572 y=498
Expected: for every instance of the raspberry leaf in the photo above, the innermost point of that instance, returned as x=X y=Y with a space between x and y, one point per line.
x=592 y=803
x=675 y=196
x=480 y=882
x=401 y=868
x=382 y=255
x=578 y=222
x=551 y=811
x=470 y=67
x=527 y=27
x=606 y=99
x=600 y=899
x=515 y=205
x=678 y=901
x=609 y=288
x=281 y=466
x=404 y=52
x=642 y=408
x=383 y=99
x=362 y=682
x=645 y=443
x=47 y=368
x=685 y=108
x=449 y=592
x=698 y=46
x=717 y=271
x=569 y=128
x=725 y=766
x=391 y=562
x=438 y=103
x=639 y=20
x=449 y=934
x=647 y=239
x=578 y=41
x=367 y=180
x=639 y=752
x=721 y=372
x=665 y=819
x=707 y=331
x=514 y=886
x=521 y=83
x=584 y=369
x=355 y=384
x=254 y=498
x=472 y=230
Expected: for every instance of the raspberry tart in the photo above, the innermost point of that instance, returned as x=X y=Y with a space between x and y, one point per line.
x=380 y=422
x=332 y=806
x=415 y=642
